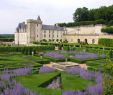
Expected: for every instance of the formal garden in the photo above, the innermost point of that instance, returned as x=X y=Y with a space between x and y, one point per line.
x=23 y=70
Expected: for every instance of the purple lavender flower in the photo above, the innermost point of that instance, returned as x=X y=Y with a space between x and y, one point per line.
x=46 y=69
x=54 y=55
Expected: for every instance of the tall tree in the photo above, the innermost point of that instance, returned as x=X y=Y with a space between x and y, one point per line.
x=81 y=14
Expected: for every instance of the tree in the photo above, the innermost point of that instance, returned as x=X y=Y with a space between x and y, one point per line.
x=84 y=16
x=81 y=14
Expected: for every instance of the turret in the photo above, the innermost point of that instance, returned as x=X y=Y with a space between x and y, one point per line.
x=39 y=29
x=39 y=20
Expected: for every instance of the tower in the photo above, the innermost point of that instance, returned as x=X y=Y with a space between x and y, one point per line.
x=39 y=29
x=34 y=28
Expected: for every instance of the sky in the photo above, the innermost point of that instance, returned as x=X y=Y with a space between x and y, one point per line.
x=13 y=12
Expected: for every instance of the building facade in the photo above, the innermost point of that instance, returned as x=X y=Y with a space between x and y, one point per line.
x=35 y=31
x=88 y=34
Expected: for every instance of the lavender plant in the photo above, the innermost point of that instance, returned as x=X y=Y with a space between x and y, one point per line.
x=54 y=55
x=46 y=69
x=89 y=75
x=10 y=87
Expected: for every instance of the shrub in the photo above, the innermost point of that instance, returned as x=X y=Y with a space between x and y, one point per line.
x=108 y=30
x=106 y=42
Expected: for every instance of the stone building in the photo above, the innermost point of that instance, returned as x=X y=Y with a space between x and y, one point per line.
x=34 y=31
x=88 y=34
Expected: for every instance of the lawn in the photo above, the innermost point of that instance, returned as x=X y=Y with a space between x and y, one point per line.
x=74 y=82
x=96 y=64
x=69 y=82
x=33 y=81
x=17 y=60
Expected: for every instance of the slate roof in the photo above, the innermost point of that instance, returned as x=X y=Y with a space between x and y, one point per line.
x=21 y=25
x=52 y=27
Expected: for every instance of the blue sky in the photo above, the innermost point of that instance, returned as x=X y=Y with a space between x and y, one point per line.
x=51 y=11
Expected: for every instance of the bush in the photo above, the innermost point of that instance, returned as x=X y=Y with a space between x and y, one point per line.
x=100 y=21
x=108 y=30
x=106 y=42
x=110 y=23
x=26 y=49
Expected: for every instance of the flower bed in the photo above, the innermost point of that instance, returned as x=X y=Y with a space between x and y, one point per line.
x=10 y=87
x=96 y=89
x=46 y=69
x=91 y=90
x=78 y=55
x=54 y=55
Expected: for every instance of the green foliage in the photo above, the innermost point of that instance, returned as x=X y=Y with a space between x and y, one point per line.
x=100 y=21
x=33 y=81
x=108 y=85
x=106 y=42
x=26 y=49
x=108 y=68
x=6 y=37
x=81 y=14
x=18 y=60
x=110 y=23
x=77 y=82
x=11 y=36
x=85 y=16
x=107 y=30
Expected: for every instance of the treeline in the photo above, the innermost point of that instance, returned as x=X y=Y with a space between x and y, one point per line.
x=85 y=16
x=6 y=37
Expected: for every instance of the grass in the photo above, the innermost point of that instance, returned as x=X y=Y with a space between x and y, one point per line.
x=69 y=82
x=33 y=81
x=12 y=61
x=74 y=82
x=96 y=64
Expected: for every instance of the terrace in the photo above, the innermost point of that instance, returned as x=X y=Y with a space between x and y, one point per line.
x=61 y=66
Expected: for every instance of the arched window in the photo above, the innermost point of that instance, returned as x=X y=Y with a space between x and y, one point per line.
x=86 y=41
x=93 y=41
x=78 y=40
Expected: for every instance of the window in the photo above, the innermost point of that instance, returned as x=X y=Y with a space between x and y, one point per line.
x=93 y=41
x=86 y=41
x=44 y=35
x=57 y=40
x=78 y=40
x=44 y=31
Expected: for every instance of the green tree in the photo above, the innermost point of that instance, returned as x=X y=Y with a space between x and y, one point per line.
x=81 y=14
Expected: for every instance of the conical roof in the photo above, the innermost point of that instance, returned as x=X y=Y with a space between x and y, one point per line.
x=39 y=19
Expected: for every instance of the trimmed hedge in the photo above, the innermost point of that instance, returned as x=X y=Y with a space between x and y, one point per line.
x=108 y=30
x=46 y=83
x=73 y=24
x=106 y=42
x=26 y=49
x=74 y=46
